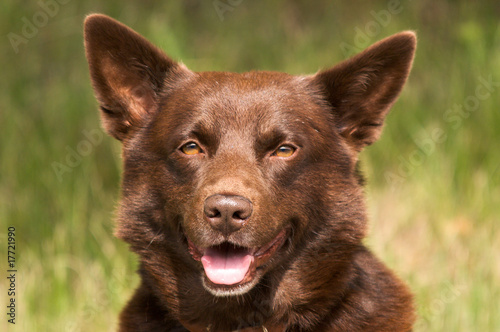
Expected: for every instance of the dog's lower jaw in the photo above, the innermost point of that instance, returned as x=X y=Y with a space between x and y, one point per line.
x=229 y=291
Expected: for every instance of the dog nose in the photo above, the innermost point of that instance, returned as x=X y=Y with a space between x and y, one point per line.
x=227 y=213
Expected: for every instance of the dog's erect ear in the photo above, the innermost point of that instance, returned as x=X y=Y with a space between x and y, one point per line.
x=127 y=73
x=362 y=89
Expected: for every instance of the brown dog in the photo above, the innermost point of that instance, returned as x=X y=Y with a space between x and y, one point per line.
x=241 y=193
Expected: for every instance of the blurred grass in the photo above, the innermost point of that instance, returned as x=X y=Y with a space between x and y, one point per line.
x=437 y=225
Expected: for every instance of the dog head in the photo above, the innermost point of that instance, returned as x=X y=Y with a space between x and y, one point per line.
x=229 y=176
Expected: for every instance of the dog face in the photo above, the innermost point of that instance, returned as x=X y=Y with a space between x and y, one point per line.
x=230 y=178
x=243 y=159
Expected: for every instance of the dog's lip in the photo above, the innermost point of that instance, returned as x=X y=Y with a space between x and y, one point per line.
x=259 y=255
x=258 y=252
x=272 y=246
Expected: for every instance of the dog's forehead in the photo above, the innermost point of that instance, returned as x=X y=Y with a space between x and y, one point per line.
x=253 y=90
x=249 y=98
x=231 y=107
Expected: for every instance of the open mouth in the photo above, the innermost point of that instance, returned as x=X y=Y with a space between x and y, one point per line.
x=229 y=265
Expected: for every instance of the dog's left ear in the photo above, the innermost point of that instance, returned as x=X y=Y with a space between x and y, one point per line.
x=361 y=90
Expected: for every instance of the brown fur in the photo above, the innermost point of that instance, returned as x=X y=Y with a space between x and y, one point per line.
x=321 y=278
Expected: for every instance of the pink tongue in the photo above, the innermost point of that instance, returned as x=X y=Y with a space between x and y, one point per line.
x=226 y=267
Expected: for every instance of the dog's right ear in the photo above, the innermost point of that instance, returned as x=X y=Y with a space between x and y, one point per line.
x=127 y=72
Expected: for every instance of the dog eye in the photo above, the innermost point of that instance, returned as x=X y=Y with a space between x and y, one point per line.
x=284 y=151
x=191 y=148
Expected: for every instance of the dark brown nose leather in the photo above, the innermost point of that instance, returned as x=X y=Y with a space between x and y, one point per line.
x=227 y=213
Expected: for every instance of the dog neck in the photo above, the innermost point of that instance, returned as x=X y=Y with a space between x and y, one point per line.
x=199 y=328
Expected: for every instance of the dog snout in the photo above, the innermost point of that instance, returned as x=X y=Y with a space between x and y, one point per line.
x=227 y=213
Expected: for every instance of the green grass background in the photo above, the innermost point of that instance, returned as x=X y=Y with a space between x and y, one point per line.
x=434 y=206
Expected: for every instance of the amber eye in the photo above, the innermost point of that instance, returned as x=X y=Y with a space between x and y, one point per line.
x=284 y=151
x=191 y=149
